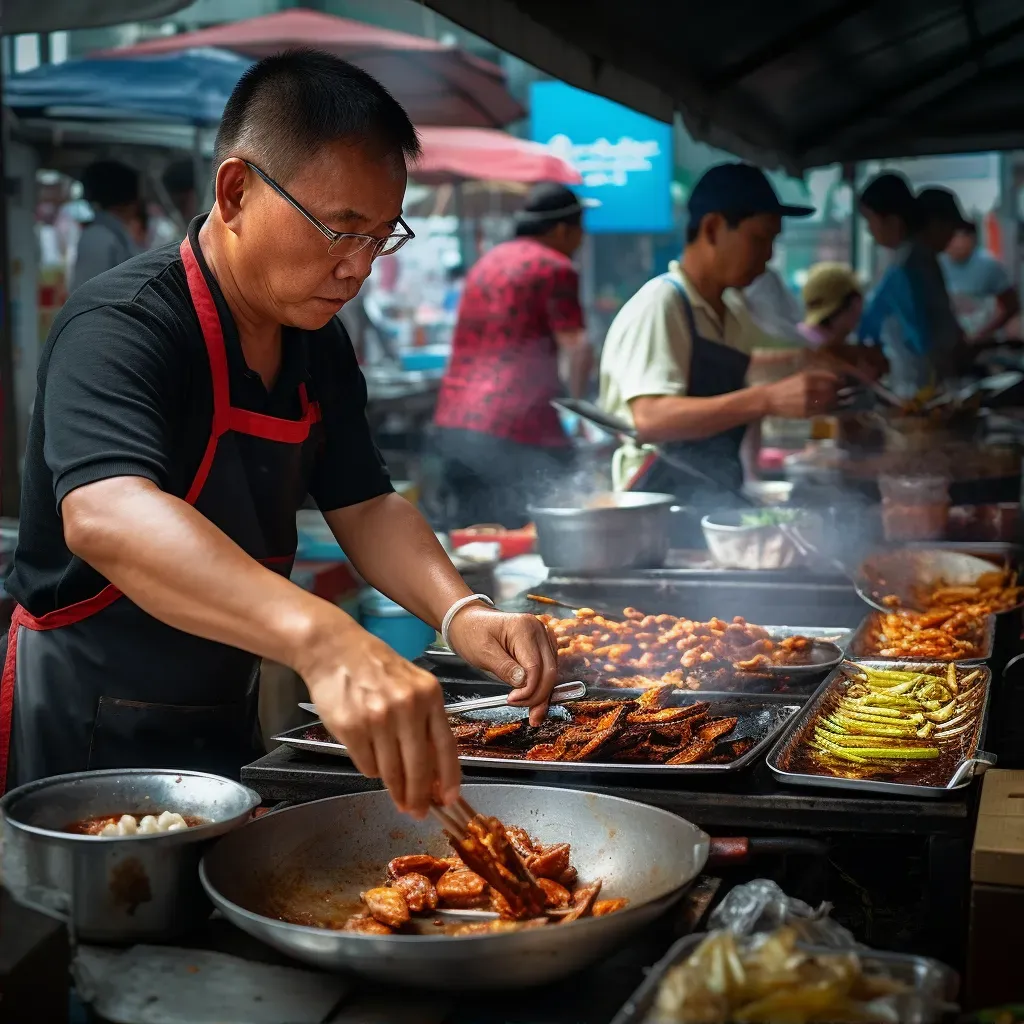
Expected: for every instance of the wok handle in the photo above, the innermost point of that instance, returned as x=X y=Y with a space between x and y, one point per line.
x=727 y=850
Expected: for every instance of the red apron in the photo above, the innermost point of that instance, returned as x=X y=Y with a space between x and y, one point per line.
x=103 y=684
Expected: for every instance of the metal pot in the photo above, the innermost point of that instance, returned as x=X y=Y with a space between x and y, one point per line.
x=288 y=860
x=125 y=889
x=614 y=530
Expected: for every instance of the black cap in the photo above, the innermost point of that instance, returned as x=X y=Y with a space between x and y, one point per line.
x=941 y=204
x=550 y=201
x=737 y=189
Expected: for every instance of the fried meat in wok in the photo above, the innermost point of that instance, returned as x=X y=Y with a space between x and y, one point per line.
x=500 y=869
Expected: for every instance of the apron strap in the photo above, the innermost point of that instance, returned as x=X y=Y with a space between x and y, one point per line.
x=691 y=323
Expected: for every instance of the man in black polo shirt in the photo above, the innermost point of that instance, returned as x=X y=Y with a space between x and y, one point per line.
x=188 y=402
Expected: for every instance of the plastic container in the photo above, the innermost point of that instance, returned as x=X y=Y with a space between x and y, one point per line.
x=399 y=629
x=914 y=507
x=513 y=542
x=426 y=359
x=316 y=542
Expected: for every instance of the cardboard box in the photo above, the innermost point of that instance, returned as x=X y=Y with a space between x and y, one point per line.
x=997 y=857
x=997 y=893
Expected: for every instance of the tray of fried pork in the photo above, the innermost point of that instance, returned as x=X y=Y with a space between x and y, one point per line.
x=905 y=728
x=659 y=729
x=638 y=650
x=941 y=634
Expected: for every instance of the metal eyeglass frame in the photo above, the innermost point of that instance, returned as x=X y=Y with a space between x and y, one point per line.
x=336 y=237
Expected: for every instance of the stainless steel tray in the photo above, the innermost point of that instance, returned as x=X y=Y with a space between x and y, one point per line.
x=761 y=717
x=840 y=635
x=928 y=979
x=857 y=648
x=970 y=767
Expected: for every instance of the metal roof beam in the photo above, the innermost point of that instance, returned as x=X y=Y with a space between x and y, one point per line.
x=779 y=48
x=935 y=69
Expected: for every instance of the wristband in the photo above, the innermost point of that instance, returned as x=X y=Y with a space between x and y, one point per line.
x=446 y=622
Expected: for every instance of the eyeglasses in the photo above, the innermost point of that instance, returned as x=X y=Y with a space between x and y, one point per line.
x=344 y=244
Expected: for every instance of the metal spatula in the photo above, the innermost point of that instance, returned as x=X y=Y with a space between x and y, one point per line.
x=561 y=694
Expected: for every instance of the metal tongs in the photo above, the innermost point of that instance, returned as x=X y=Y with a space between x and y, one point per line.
x=455 y=821
x=561 y=694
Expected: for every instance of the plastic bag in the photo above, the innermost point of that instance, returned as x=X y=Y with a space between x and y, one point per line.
x=762 y=906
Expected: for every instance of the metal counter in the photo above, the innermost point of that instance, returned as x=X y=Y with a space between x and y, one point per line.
x=751 y=800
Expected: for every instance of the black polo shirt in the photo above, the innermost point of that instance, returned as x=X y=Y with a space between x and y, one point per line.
x=124 y=389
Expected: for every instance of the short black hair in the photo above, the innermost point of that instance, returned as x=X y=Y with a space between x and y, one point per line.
x=179 y=177
x=539 y=228
x=108 y=183
x=286 y=107
x=967 y=228
x=732 y=219
x=890 y=194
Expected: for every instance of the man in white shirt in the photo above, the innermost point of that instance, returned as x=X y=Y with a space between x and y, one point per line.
x=675 y=359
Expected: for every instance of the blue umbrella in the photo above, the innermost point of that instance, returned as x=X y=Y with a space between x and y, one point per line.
x=190 y=87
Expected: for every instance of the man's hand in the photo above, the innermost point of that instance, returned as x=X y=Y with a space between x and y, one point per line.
x=802 y=395
x=515 y=648
x=388 y=713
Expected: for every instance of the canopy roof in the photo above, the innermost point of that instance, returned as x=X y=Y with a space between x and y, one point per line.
x=437 y=84
x=20 y=16
x=191 y=88
x=793 y=83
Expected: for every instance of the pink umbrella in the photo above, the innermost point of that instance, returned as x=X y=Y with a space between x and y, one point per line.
x=437 y=84
x=482 y=154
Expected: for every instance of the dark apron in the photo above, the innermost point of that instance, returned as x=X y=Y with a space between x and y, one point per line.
x=103 y=684
x=715 y=369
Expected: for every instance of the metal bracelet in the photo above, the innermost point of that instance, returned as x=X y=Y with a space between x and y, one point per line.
x=446 y=622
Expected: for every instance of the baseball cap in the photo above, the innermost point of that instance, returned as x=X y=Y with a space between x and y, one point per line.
x=737 y=189
x=549 y=201
x=941 y=204
x=827 y=287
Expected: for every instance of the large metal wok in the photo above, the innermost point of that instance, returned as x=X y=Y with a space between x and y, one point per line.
x=899 y=572
x=342 y=844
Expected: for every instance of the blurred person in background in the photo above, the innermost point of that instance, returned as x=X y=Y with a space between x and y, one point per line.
x=179 y=180
x=113 y=236
x=983 y=296
x=454 y=282
x=909 y=311
x=179 y=185
x=519 y=342
x=676 y=356
x=833 y=302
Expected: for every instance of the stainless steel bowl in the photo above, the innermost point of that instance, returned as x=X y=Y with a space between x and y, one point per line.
x=612 y=530
x=123 y=889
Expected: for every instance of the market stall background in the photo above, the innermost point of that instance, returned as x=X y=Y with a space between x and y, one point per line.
x=797 y=85
x=911 y=854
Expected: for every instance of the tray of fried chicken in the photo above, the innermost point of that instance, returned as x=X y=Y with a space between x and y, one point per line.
x=943 y=634
x=641 y=649
x=661 y=729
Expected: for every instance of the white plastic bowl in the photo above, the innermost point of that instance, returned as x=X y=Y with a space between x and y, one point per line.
x=735 y=546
